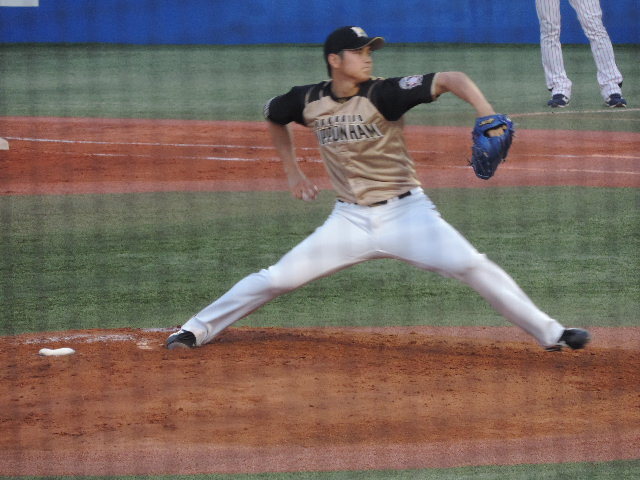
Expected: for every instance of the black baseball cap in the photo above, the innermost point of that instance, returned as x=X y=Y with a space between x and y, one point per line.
x=350 y=38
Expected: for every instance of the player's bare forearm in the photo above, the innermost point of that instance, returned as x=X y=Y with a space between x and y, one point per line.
x=282 y=137
x=282 y=140
x=464 y=88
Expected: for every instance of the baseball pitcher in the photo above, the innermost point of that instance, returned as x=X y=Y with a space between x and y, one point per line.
x=381 y=210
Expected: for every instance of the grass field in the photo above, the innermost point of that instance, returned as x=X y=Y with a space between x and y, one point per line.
x=620 y=470
x=233 y=82
x=152 y=260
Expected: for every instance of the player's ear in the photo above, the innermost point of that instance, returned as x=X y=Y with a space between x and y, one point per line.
x=334 y=60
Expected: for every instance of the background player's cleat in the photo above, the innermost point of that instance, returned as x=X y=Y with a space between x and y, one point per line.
x=574 y=338
x=181 y=339
x=616 y=101
x=558 y=101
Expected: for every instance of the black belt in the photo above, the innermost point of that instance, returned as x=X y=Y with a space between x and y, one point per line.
x=384 y=202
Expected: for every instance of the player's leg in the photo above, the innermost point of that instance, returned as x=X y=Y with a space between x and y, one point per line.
x=338 y=243
x=427 y=241
x=506 y=297
x=590 y=17
x=413 y=230
x=551 y=50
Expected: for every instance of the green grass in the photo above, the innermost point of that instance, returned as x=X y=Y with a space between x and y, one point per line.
x=152 y=260
x=618 y=470
x=233 y=82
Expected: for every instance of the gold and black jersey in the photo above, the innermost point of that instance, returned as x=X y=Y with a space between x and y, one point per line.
x=360 y=137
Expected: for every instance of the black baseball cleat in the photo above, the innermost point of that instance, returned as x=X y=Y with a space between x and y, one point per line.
x=181 y=339
x=574 y=338
x=558 y=101
x=615 y=101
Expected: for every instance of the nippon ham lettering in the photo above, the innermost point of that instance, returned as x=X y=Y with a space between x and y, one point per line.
x=345 y=128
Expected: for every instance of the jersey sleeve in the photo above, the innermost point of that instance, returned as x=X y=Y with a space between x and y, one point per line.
x=287 y=108
x=393 y=97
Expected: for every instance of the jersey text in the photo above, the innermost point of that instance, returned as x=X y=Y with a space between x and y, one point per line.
x=345 y=128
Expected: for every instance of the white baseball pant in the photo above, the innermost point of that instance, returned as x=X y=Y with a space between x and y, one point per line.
x=408 y=229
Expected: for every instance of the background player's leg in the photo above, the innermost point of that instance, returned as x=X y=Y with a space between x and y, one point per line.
x=338 y=243
x=590 y=17
x=550 y=47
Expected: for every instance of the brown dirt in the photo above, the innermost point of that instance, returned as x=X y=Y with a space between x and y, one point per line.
x=107 y=156
x=274 y=399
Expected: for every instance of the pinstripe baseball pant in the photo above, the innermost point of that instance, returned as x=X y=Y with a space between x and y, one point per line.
x=590 y=18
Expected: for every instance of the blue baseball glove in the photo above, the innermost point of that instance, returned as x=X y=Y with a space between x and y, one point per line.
x=490 y=149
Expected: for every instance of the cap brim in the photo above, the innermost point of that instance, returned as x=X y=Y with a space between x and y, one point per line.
x=375 y=43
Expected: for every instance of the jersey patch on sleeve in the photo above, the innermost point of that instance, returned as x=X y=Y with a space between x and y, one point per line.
x=413 y=81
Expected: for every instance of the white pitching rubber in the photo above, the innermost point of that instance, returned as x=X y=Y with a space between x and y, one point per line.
x=56 y=352
x=4 y=145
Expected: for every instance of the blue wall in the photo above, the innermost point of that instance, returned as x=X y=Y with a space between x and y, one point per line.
x=298 y=21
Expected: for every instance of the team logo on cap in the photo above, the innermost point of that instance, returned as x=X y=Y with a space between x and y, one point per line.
x=359 y=31
x=407 y=83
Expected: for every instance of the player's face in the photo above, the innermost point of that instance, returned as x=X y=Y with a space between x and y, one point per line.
x=357 y=64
